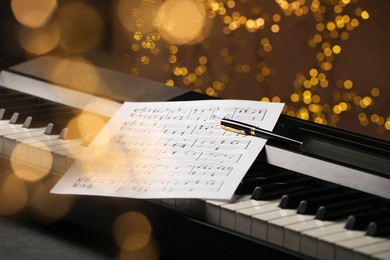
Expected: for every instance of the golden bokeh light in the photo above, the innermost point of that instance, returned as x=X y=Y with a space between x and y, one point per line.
x=33 y=14
x=50 y=207
x=88 y=124
x=85 y=77
x=81 y=27
x=138 y=16
x=41 y=40
x=13 y=195
x=29 y=173
x=132 y=231
x=182 y=21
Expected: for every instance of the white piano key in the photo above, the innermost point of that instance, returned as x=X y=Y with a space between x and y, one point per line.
x=368 y=251
x=228 y=211
x=310 y=241
x=213 y=209
x=277 y=227
x=344 y=249
x=260 y=221
x=5 y=125
x=9 y=140
x=244 y=216
x=46 y=152
x=383 y=255
x=34 y=151
x=14 y=130
x=292 y=233
x=21 y=149
x=60 y=162
x=327 y=244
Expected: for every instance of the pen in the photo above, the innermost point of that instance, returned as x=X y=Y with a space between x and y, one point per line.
x=246 y=129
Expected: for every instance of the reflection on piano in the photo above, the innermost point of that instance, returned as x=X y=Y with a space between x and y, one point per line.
x=330 y=205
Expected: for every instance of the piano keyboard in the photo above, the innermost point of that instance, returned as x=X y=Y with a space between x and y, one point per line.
x=279 y=207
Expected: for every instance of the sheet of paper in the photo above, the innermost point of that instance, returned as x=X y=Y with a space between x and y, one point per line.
x=170 y=150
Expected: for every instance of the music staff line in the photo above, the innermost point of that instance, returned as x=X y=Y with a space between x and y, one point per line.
x=198 y=113
x=139 y=185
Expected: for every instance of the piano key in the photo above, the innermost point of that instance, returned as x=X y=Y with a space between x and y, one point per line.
x=345 y=208
x=293 y=233
x=21 y=149
x=367 y=252
x=213 y=211
x=9 y=123
x=8 y=126
x=247 y=185
x=54 y=154
x=25 y=109
x=293 y=199
x=229 y=211
x=344 y=249
x=10 y=140
x=383 y=255
x=244 y=216
x=361 y=220
x=328 y=244
x=276 y=227
x=35 y=150
x=380 y=227
x=260 y=222
x=63 y=159
x=213 y=207
x=278 y=189
x=310 y=206
x=310 y=238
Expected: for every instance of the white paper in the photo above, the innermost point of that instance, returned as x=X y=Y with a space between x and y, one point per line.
x=170 y=150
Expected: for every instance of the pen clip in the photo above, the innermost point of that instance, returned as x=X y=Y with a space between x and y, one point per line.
x=234 y=130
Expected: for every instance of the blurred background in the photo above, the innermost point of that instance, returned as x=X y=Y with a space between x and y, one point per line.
x=326 y=59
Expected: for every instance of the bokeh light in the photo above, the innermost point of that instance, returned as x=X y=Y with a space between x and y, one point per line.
x=30 y=174
x=41 y=40
x=81 y=25
x=84 y=76
x=13 y=195
x=182 y=21
x=138 y=16
x=33 y=14
x=47 y=206
x=132 y=231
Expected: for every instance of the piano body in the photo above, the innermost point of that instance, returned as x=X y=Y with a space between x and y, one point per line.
x=329 y=202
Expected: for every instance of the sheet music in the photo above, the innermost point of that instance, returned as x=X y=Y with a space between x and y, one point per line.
x=170 y=150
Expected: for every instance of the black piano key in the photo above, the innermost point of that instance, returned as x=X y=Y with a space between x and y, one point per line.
x=310 y=206
x=247 y=185
x=292 y=200
x=280 y=188
x=360 y=221
x=26 y=110
x=379 y=227
x=345 y=208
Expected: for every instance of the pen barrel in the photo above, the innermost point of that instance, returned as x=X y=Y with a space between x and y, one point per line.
x=275 y=137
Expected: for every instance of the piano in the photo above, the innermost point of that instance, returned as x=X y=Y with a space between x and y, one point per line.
x=331 y=201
